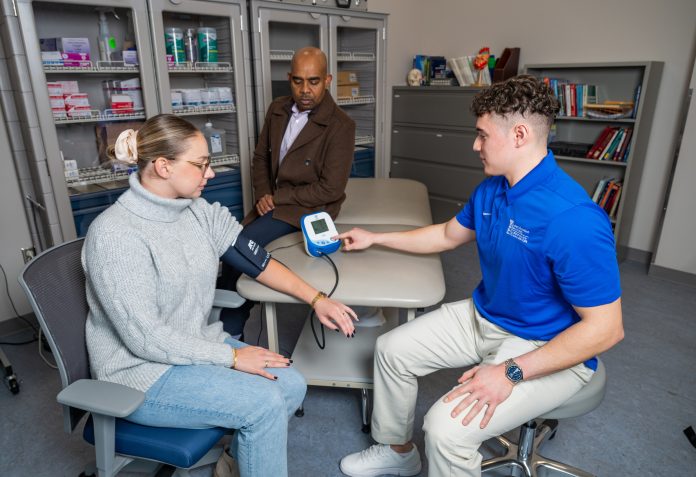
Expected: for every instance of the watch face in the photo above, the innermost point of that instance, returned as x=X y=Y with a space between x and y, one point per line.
x=514 y=373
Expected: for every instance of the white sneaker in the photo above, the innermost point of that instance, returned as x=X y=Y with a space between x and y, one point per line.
x=380 y=459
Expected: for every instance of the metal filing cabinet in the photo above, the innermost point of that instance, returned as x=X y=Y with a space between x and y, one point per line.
x=433 y=133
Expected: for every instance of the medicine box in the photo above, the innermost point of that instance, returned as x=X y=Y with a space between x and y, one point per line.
x=348 y=90
x=347 y=77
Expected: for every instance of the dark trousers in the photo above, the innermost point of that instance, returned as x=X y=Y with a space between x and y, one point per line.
x=263 y=231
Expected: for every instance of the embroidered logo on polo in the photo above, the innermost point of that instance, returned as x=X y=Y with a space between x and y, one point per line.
x=515 y=231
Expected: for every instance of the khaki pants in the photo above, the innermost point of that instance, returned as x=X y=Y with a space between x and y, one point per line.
x=455 y=336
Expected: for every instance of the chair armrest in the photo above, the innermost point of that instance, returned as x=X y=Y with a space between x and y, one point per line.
x=227 y=299
x=101 y=397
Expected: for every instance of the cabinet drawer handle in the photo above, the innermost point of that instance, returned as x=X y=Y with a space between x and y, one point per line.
x=438 y=135
x=395 y=162
x=396 y=131
x=397 y=95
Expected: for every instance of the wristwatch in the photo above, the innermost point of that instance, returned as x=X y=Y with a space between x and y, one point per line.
x=513 y=372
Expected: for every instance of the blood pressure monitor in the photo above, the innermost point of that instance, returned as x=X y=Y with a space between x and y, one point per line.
x=318 y=230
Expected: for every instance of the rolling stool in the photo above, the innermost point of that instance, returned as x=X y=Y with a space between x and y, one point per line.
x=524 y=454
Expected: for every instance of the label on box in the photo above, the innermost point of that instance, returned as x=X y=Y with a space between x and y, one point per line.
x=56 y=101
x=51 y=58
x=80 y=112
x=348 y=91
x=130 y=57
x=76 y=59
x=121 y=103
x=59 y=113
x=54 y=89
x=76 y=100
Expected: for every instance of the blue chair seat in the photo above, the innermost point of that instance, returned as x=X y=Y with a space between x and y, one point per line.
x=177 y=447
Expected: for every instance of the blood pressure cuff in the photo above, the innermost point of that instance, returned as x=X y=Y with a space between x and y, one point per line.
x=247 y=256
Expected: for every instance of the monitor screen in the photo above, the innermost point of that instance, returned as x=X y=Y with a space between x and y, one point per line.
x=319 y=226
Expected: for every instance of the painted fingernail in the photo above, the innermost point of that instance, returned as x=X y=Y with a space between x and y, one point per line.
x=287 y=364
x=291 y=361
x=275 y=377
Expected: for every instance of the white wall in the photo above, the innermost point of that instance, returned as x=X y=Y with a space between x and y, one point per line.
x=677 y=248
x=552 y=31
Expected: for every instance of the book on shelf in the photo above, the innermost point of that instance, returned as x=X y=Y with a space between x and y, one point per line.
x=636 y=98
x=607 y=194
x=572 y=97
x=612 y=144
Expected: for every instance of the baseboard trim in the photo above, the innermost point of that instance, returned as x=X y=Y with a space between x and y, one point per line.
x=676 y=276
x=15 y=325
x=634 y=255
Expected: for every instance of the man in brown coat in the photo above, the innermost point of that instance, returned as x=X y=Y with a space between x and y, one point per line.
x=301 y=163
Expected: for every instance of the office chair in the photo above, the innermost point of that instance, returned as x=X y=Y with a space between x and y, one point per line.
x=55 y=285
x=524 y=455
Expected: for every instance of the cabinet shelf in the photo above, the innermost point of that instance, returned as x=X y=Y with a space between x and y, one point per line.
x=99 y=175
x=197 y=110
x=596 y=120
x=200 y=67
x=281 y=55
x=96 y=116
x=111 y=67
x=591 y=161
x=355 y=56
x=364 y=140
x=355 y=100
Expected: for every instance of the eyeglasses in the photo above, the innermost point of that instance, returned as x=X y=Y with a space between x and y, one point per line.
x=203 y=166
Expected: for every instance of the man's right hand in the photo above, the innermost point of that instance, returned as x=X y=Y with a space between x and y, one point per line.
x=356 y=239
x=265 y=204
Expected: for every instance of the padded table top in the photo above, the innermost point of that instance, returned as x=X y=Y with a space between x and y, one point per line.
x=385 y=201
x=374 y=277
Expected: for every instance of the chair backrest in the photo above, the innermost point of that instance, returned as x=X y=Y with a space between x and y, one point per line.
x=55 y=285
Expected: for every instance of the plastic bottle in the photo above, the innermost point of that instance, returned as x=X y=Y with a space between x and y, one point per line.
x=174 y=43
x=207 y=45
x=191 y=45
x=107 y=43
x=215 y=139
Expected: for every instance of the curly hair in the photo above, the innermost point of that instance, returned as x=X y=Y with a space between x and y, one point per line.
x=523 y=94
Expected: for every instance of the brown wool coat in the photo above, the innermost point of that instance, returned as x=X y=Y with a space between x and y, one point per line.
x=315 y=170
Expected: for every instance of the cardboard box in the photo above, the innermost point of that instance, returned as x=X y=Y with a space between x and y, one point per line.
x=348 y=90
x=347 y=77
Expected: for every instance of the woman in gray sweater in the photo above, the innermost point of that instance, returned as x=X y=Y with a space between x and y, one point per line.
x=151 y=262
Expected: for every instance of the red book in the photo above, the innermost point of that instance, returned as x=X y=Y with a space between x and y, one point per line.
x=606 y=140
x=591 y=153
x=573 y=101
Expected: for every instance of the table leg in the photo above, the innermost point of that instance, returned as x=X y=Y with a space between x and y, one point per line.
x=272 y=326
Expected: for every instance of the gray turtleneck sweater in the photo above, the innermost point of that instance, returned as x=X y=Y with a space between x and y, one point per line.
x=151 y=265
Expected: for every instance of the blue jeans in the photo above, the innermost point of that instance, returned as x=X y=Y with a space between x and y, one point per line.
x=263 y=230
x=213 y=396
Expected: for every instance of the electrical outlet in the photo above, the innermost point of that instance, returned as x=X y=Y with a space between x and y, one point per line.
x=28 y=254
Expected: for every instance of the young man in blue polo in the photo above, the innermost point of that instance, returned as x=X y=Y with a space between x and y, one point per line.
x=548 y=303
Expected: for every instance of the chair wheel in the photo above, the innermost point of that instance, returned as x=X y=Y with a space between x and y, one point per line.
x=82 y=474
x=366 y=428
x=299 y=412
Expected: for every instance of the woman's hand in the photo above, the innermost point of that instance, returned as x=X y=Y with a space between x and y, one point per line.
x=255 y=360
x=356 y=239
x=335 y=315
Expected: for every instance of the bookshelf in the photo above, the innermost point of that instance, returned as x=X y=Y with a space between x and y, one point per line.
x=613 y=82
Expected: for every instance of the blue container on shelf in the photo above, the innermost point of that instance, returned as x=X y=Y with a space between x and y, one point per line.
x=363 y=162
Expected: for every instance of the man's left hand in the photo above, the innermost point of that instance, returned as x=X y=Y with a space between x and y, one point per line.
x=484 y=386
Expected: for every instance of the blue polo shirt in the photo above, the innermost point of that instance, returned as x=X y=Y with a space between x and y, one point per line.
x=544 y=246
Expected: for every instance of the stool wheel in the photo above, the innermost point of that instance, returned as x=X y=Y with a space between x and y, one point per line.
x=299 y=412
x=366 y=428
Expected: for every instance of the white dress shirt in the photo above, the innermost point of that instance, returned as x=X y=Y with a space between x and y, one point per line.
x=298 y=120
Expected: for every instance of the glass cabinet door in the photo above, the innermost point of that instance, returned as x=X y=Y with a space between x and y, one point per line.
x=282 y=33
x=199 y=58
x=357 y=53
x=91 y=77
